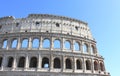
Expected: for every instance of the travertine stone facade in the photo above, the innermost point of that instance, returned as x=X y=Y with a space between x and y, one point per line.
x=48 y=45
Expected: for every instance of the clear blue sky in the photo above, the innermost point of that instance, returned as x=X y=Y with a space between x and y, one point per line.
x=103 y=17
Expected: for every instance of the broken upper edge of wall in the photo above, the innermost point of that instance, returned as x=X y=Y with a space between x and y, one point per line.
x=35 y=16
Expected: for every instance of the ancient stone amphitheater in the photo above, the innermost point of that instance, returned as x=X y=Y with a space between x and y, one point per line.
x=48 y=45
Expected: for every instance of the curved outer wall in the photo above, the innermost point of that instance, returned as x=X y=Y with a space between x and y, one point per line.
x=46 y=60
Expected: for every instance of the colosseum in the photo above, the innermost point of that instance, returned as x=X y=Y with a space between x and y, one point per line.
x=48 y=45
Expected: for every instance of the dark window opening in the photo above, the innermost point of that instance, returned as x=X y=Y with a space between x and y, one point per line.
x=57 y=25
x=21 y=62
x=45 y=62
x=37 y=23
x=68 y=64
x=88 y=65
x=10 y=62
x=1 y=61
x=102 y=67
x=95 y=65
x=76 y=27
x=0 y=26
x=57 y=63
x=79 y=64
x=17 y=24
x=33 y=62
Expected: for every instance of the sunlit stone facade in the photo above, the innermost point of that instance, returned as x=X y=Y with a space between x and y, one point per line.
x=48 y=45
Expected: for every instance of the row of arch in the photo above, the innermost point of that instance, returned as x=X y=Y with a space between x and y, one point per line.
x=47 y=44
x=56 y=63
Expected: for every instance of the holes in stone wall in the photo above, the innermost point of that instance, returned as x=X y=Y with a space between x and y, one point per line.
x=88 y=65
x=76 y=27
x=85 y=48
x=78 y=64
x=1 y=61
x=76 y=46
x=57 y=63
x=14 y=43
x=45 y=62
x=57 y=25
x=24 y=43
x=95 y=65
x=21 y=62
x=67 y=45
x=102 y=66
x=92 y=49
x=33 y=62
x=46 y=43
x=57 y=44
x=68 y=64
x=35 y=43
x=0 y=26
x=10 y=62
x=5 y=42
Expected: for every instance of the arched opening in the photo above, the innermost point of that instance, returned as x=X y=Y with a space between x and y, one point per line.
x=24 y=43
x=33 y=62
x=102 y=67
x=45 y=62
x=5 y=42
x=95 y=65
x=92 y=49
x=1 y=61
x=57 y=63
x=79 y=64
x=14 y=43
x=21 y=62
x=35 y=43
x=76 y=46
x=10 y=62
x=67 y=45
x=46 y=43
x=68 y=64
x=56 y=44
x=88 y=65
x=85 y=48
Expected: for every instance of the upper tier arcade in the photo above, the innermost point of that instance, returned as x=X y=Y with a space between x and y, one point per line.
x=45 y=23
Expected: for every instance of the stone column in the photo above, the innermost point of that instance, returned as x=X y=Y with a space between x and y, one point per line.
x=3 y=62
x=62 y=44
x=92 y=65
x=41 y=41
x=18 y=44
x=29 y=43
x=14 y=63
x=8 y=44
x=81 y=46
x=27 y=62
x=63 y=64
x=72 y=45
x=51 y=43
x=51 y=62
x=74 y=64
x=39 y=62
x=84 y=65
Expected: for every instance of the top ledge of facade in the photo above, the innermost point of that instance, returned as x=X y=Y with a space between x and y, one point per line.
x=7 y=18
x=36 y=16
x=54 y=16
